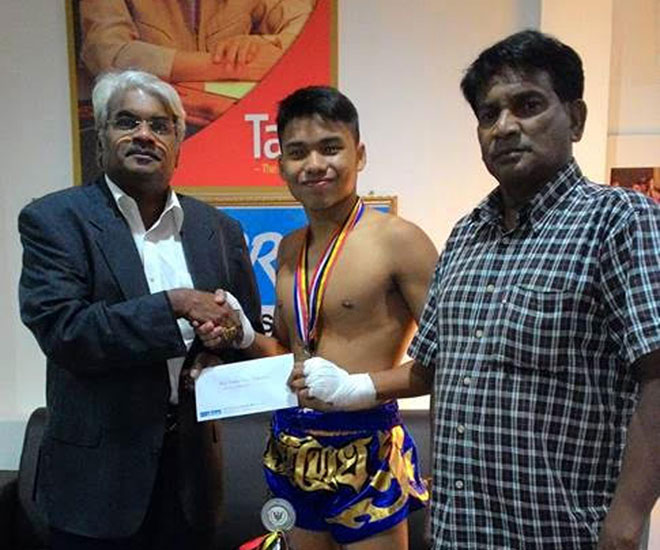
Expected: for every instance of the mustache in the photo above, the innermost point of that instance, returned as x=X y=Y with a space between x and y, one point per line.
x=143 y=151
x=314 y=180
x=503 y=149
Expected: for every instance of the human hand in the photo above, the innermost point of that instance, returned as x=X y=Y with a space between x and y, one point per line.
x=296 y=379
x=200 y=307
x=238 y=50
x=333 y=385
x=247 y=57
x=214 y=337
x=247 y=336
x=201 y=361
x=298 y=384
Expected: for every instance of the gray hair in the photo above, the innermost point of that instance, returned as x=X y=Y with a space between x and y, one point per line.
x=108 y=85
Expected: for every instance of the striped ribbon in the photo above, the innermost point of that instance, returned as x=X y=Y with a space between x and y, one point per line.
x=272 y=541
x=307 y=299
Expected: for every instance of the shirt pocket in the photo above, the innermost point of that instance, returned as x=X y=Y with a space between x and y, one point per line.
x=535 y=328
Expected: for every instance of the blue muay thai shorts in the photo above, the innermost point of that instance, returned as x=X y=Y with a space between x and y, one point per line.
x=353 y=474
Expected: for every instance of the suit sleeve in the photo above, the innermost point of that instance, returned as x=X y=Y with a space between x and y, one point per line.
x=111 y=40
x=283 y=20
x=75 y=310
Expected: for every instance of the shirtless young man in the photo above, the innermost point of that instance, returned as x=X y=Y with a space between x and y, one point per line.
x=351 y=476
x=346 y=473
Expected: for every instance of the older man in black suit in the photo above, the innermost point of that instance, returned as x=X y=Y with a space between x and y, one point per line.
x=114 y=274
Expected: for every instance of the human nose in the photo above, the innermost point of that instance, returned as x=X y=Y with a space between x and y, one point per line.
x=316 y=162
x=143 y=131
x=506 y=123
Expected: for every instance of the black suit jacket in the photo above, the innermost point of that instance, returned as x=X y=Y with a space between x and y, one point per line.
x=84 y=295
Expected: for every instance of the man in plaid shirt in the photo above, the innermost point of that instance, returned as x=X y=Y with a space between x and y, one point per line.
x=541 y=330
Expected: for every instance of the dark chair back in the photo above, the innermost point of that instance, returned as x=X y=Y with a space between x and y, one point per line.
x=31 y=528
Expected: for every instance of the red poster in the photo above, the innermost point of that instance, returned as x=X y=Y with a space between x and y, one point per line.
x=231 y=143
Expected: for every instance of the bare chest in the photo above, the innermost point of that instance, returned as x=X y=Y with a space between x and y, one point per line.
x=355 y=292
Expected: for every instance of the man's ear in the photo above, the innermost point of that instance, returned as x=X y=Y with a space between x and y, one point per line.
x=361 y=156
x=99 y=151
x=177 y=155
x=577 y=110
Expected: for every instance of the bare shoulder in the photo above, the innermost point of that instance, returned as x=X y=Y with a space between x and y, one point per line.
x=290 y=246
x=400 y=235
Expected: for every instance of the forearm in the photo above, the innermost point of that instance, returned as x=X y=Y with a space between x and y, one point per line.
x=638 y=486
x=97 y=337
x=323 y=385
x=265 y=346
x=79 y=315
x=199 y=66
x=195 y=66
x=180 y=301
x=407 y=380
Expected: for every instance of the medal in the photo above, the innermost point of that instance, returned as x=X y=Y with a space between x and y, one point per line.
x=307 y=298
x=278 y=515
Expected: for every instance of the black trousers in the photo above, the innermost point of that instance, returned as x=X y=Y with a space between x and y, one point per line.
x=164 y=526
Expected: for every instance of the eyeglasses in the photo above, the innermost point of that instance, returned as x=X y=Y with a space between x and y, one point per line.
x=159 y=125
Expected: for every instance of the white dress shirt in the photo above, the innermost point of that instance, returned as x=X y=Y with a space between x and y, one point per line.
x=163 y=260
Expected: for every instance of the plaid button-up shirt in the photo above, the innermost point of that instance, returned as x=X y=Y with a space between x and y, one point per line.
x=532 y=333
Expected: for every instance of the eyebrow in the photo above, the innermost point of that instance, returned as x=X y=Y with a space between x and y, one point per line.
x=324 y=141
x=293 y=144
x=331 y=139
x=126 y=112
x=527 y=93
x=517 y=96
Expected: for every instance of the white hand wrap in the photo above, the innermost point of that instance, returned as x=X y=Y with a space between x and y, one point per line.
x=248 y=331
x=332 y=384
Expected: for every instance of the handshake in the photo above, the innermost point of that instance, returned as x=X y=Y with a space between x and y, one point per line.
x=219 y=322
x=218 y=318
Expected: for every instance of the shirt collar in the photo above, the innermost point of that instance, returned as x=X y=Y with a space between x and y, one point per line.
x=129 y=208
x=490 y=210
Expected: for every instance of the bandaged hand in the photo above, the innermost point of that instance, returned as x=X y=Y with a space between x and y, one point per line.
x=248 y=331
x=332 y=384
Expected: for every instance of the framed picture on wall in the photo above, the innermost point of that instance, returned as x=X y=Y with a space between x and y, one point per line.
x=231 y=61
x=646 y=180
x=265 y=222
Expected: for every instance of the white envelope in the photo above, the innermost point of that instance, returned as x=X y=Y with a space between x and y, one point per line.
x=244 y=388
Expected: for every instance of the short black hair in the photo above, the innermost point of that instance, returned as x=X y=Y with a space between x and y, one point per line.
x=325 y=101
x=527 y=52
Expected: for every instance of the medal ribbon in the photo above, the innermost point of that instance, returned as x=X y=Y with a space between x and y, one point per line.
x=307 y=300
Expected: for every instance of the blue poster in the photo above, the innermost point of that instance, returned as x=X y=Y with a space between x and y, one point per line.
x=264 y=227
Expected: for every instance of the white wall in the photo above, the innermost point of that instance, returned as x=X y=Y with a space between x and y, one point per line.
x=402 y=67
x=587 y=27
x=634 y=127
x=35 y=154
